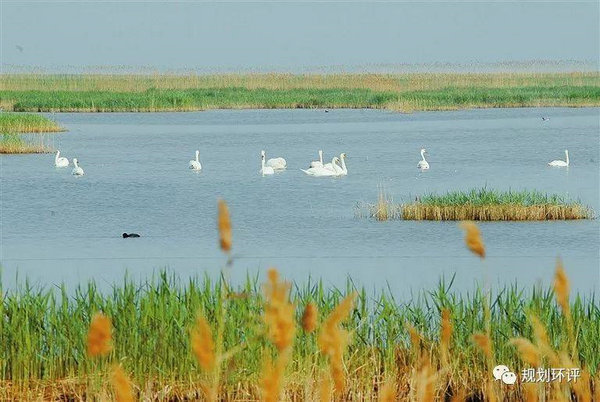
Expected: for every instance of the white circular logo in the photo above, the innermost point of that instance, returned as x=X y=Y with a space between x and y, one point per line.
x=499 y=370
x=509 y=378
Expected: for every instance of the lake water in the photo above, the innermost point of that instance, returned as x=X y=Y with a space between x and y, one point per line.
x=60 y=228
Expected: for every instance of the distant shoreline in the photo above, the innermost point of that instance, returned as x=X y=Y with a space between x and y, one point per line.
x=398 y=92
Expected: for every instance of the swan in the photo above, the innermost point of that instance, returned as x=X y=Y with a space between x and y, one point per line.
x=319 y=162
x=275 y=163
x=343 y=168
x=321 y=171
x=423 y=165
x=560 y=163
x=77 y=171
x=265 y=169
x=195 y=164
x=60 y=161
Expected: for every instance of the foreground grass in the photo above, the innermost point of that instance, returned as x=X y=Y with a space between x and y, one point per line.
x=482 y=205
x=27 y=123
x=407 y=92
x=43 y=336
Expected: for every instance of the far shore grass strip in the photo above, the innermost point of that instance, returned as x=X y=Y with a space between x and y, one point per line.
x=480 y=205
x=401 y=92
x=27 y=123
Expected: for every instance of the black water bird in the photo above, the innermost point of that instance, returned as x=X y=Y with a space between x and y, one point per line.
x=126 y=235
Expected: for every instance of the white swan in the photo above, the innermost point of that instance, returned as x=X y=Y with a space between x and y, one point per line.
x=275 y=163
x=195 y=164
x=423 y=165
x=318 y=163
x=344 y=168
x=321 y=171
x=560 y=163
x=77 y=171
x=265 y=169
x=60 y=161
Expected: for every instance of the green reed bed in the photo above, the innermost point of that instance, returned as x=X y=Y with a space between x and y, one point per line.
x=27 y=123
x=43 y=334
x=403 y=92
x=481 y=205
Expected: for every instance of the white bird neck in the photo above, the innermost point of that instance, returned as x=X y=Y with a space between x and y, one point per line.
x=423 y=155
x=75 y=163
x=197 y=155
x=567 y=156
x=57 y=155
x=343 y=160
x=321 y=156
x=262 y=161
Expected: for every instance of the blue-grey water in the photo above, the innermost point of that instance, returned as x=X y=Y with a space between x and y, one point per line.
x=60 y=228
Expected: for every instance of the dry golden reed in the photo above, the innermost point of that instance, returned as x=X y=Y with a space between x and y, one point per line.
x=279 y=312
x=415 y=338
x=530 y=391
x=445 y=334
x=388 y=392
x=425 y=381
x=310 y=318
x=224 y=225
x=482 y=341
x=203 y=344
x=333 y=339
x=473 y=238
x=561 y=287
x=99 y=336
x=528 y=351
x=272 y=378
x=325 y=394
x=543 y=342
x=121 y=385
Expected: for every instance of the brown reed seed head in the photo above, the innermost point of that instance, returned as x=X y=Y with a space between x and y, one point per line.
x=388 y=392
x=310 y=318
x=446 y=329
x=203 y=345
x=224 y=225
x=99 y=336
x=528 y=351
x=473 y=238
x=272 y=379
x=561 y=287
x=482 y=341
x=332 y=340
x=279 y=312
x=121 y=385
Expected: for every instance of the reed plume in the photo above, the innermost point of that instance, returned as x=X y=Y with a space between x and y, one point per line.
x=325 y=394
x=272 y=378
x=388 y=392
x=224 y=226
x=415 y=339
x=203 y=345
x=333 y=339
x=425 y=379
x=310 y=317
x=482 y=341
x=279 y=312
x=121 y=384
x=543 y=342
x=99 y=336
x=530 y=392
x=528 y=351
x=473 y=239
x=445 y=335
x=561 y=287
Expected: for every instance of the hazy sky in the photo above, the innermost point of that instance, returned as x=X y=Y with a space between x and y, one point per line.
x=293 y=36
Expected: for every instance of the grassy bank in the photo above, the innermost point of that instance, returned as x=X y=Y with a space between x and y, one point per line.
x=405 y=92
x=27 y=123
x=480 y=205
x=23 y=144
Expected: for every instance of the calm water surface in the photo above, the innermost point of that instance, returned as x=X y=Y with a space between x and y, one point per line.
x=56 y=227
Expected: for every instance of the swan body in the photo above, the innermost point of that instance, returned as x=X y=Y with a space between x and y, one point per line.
x=77 y=171
x=321 y=171
x=275 y=163
x=318 y=163
x=60 y=161
x=195 y=163
x=423 y=164
x=265 y=170
x=560 y=163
